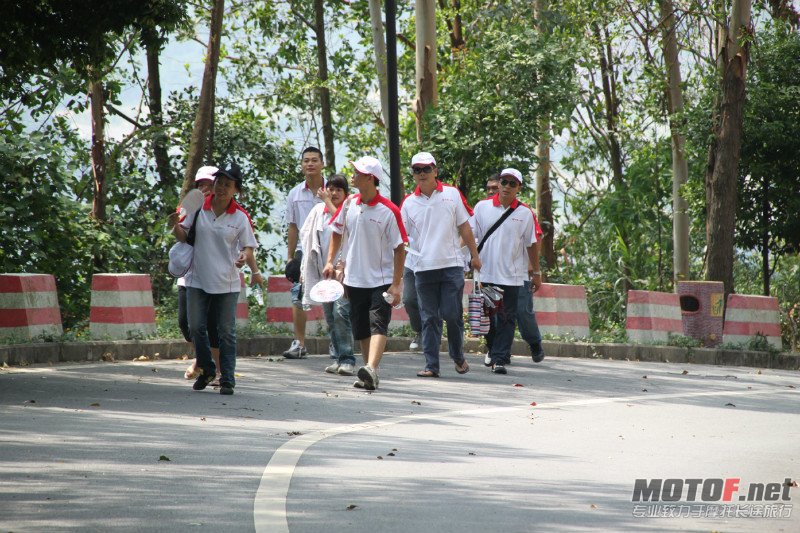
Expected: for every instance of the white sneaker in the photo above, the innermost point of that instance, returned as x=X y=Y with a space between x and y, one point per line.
x=415 y=343
x=360 y=384
x=487 y=361
x=369 y=377
x=333 y=369
x=295 y=351
x=346 y=369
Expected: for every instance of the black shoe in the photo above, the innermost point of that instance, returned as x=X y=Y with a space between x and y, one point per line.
x=537 y=353
x=499 y=369
x=226 y=388
x=203 y=380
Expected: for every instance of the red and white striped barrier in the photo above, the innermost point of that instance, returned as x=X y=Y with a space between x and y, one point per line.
x=747 y=316
x=562 y=310
x=29 y=306
x=652 y=316
x=122 y=306
x=242 y=311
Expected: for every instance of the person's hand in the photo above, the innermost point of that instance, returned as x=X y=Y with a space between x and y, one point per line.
x=536 y=281
x=328 y=272
x=173 y=218
x=256 y=279
x=476 y=263
x=241 y=260
x=322 y=193
x=397 y=295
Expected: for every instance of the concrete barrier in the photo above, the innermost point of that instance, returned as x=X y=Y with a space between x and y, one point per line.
x=29 y=306
x=702 y=304
x=652 y=316
x=562 y=310
x=121 y=306
x=242 y=310
x=747 y=316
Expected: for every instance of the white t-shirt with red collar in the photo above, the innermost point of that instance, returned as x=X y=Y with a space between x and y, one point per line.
x=299 y=203
x=505 y=254
x=218 y=240
x=374 y=230
x=432 y=226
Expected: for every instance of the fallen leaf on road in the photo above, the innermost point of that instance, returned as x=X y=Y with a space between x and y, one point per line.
x=351 y=507
x=758 y=372
x=644 y=390
x=142 y=358
x=791 y=483
x=593 y=506
x=380 y=457
x=471 y=453
x=163 y=458
x=533 y=404
x=685 y=372
x=415 y=402
x=390 y=454
x=791 y=386
x=644 y=377
x=729 y=405
x=293 y=433
x=154 y=369
x=109 y=357
x=203 y=419
x=518 y=385
x=95 y=404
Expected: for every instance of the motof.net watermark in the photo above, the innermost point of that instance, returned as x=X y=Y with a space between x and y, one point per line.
x=711 y=498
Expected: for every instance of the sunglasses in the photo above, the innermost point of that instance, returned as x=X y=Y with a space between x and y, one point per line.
x=419 y=170
x=509 y=183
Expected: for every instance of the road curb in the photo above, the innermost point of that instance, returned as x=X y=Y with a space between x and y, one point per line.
x=265 y=346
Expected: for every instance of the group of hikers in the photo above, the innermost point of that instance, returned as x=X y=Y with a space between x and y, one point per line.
x=385 y=256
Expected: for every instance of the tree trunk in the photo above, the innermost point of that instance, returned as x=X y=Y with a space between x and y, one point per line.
x=153 y=50
x=722 y=189
x=612 y=118
x=766 y=214
x=98 y=146
x=379 y=44
x=205 y=107
x=323 y=92
x=454 y=25
x=544 y=196
x=427 y=92
x=680 y=167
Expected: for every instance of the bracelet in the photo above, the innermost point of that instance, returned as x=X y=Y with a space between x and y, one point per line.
x=255 y=273
x=537 y=273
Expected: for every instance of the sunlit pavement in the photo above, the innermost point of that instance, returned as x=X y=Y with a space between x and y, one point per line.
x=556 y=446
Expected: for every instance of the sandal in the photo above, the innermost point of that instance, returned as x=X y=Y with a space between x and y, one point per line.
x=427 y=374
x=462 y=367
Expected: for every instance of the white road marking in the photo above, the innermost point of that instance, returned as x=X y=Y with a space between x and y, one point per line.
x=269 y=506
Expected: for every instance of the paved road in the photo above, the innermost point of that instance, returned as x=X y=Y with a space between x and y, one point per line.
x=302 y=451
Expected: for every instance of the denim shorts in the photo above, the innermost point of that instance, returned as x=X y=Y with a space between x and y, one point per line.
x=297 y=296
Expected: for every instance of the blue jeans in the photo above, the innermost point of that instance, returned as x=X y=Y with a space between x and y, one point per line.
x=410 y=300
x=503 y=324
x=440 y=292
x=337 y=315
x=526 y=319
x=201 y=305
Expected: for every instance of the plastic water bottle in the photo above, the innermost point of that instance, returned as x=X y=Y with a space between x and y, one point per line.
x=258 y=295
x=389 y=299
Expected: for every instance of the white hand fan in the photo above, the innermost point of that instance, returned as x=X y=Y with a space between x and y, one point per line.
x=192 y=201
x=326 y=291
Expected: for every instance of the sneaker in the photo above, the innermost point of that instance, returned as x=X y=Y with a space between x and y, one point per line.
x=202 y=381
x=369 y=377
x=487 y=361
x=537 y=353
x=332 y=352
x=415 y=343
x=347 y=369
x=333 y=369
x=295 y=351
x=499 y=369
x=360 y=384
x=226 y=388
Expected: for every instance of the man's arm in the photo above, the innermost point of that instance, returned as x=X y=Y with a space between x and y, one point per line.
x=397 y=276
x=333 y=249
x=469 y=241
x=533 y=258
x=292 y=239
x=250 y=259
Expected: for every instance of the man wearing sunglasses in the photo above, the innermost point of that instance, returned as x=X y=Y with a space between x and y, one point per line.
x=437 y=218
x=507 y=254
x=526 y=316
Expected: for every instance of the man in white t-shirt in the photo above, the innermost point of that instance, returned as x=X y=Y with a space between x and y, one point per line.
x=299 y=202
x=507 y=254
x=436 y=220
x=373 y=264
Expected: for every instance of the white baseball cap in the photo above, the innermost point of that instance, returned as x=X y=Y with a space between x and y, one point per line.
x=368 y=165
x=423 y=158
x=512 y=172
x=205 y=173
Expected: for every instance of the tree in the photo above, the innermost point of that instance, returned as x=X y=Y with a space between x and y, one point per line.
x=725 y=150
x=425 y=79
